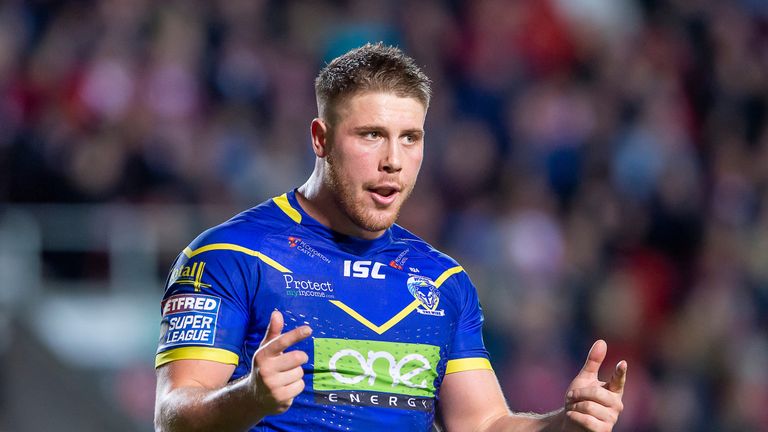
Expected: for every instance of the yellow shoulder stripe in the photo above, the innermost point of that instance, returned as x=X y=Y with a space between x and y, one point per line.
x=466 y=364
x=285 y=206
x=446 y=274
x=398 y=316
x=237 y=248
x=197 y=353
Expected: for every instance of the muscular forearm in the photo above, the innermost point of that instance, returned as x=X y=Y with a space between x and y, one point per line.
x=526 y=422
x=233 y=407
x=192 y=395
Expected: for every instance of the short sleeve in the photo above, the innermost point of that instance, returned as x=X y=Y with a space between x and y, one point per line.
x=205 y=308
x=468 y=350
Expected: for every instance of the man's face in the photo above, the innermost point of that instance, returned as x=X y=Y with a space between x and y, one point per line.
x=375 y=150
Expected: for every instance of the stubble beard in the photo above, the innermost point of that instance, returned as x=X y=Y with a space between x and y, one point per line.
x=345 y=197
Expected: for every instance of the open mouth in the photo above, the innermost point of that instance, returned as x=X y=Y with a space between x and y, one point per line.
x=385 y=191
x=384 y=195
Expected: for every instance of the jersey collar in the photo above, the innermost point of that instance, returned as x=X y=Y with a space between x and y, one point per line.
x=291 y=207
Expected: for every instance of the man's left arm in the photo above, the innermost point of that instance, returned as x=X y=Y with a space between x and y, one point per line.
x=472 y=401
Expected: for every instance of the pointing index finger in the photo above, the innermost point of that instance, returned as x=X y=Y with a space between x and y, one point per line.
x=285 y=340
x=619 y=378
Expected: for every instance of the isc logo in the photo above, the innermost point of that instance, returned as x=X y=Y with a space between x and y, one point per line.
x=363 y=269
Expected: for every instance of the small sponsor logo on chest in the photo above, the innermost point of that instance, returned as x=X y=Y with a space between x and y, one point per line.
x=298 y=286
x=304 y=247
x=364 y=269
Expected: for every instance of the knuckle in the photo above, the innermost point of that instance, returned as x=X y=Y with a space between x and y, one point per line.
x=267 y=380
x=300 y=356
x=283 y=406
x=594 y=424
x=300 y=387
x=614 y=418
x=293 y=356
x=299 y=374
x=582 y=406
x=281 y=396
x=294 y=389
x=261 y=359
x=264 y=370
x=588 y=407
x=580 y=394
x=286 y=394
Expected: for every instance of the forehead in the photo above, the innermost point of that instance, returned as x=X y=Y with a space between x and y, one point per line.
x=382 y=109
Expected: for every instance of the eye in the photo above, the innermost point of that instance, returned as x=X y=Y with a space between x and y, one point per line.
x=372 y=135
x=411 y=138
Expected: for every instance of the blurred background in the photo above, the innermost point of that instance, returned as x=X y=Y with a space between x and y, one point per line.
x=600 y=167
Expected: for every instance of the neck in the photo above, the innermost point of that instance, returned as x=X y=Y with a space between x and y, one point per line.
x=318 y=200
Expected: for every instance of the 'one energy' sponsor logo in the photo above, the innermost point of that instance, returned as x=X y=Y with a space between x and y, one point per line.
x=189 y=319
x=374 y=373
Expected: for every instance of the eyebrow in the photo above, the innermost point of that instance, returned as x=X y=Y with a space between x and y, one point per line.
x=368 y=128
x=418 y=132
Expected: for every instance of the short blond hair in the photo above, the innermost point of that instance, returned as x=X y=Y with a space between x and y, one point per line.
x=371 y=67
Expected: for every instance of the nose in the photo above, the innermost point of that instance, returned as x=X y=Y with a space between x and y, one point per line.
x=391 y=159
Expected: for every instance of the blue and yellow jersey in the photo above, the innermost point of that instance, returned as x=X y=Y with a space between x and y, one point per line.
x=390 y=316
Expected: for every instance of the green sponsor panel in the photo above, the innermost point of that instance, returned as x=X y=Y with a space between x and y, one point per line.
x=386 y=367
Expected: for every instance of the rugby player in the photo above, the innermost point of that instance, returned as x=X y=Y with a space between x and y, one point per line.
x=315 y=311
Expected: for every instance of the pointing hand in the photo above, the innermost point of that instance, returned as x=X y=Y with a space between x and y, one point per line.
x=277 y=376
x=591 y=404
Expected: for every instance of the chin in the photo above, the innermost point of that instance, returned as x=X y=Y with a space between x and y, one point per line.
x=380 y=223
x=377 y=220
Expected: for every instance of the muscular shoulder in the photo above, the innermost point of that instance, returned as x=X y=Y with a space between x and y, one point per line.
x=423 y=248
x=245 y=230
x=444 y=266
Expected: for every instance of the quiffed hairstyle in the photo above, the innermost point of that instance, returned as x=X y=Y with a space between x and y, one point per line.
x=372 y=67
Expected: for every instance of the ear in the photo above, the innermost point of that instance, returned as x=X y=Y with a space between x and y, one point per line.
x=320 y=131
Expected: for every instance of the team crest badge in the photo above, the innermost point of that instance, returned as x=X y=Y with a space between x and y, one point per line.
x=424 y=290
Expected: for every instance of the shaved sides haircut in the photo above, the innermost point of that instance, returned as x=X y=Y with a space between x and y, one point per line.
x=370 y=68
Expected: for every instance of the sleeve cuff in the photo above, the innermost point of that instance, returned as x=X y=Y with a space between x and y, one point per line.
x=464 y=364
x=197 y=353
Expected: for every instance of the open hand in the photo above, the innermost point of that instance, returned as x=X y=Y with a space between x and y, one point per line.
x=591 y=404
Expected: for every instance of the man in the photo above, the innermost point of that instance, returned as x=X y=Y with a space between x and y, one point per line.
x=395 y=325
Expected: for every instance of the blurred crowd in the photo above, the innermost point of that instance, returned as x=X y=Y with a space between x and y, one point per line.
x=600 y=167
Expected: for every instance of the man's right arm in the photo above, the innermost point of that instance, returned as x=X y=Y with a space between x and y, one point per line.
x=194 y=395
